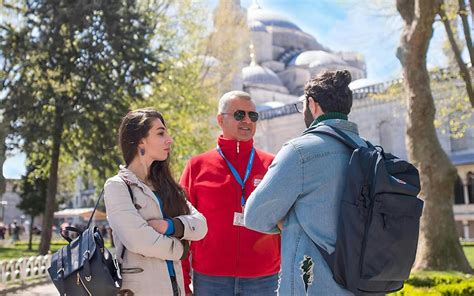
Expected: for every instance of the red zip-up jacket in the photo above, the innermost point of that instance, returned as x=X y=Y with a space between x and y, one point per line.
x=228 y=250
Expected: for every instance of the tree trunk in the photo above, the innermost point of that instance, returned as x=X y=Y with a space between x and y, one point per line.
x=466 y=76
x=46 y=233
x=466 y=28
x=439 y=247
x=3 y=151
x=30 y=239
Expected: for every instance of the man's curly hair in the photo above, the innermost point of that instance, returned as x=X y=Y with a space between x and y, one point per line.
x=331 y=90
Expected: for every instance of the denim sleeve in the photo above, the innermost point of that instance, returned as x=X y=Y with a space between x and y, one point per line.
x=277 y=192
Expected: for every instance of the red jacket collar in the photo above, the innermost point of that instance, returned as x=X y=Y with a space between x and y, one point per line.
x=231 y=146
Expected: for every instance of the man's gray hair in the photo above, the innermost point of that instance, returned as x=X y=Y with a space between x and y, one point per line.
x=224 y=100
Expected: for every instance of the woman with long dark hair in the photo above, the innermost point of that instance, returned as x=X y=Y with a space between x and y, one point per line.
x=147 y=210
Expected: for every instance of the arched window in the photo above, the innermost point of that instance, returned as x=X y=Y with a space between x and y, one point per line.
x=470 y=187
x=458 y=192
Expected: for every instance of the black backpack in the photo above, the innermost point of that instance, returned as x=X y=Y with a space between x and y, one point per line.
x=379 y=220
x=85 y=266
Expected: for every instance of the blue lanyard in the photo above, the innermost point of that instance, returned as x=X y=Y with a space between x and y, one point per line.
x=236 y=174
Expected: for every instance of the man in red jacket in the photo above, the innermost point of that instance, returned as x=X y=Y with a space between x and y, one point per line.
x=231 y=259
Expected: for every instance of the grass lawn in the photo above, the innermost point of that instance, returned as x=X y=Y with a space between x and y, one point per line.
x=469 y=251
x=20 y=249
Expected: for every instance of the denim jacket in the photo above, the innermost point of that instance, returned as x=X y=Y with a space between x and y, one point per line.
x=303 y=187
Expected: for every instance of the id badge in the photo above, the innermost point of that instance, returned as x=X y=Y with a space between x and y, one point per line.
x=238 y=219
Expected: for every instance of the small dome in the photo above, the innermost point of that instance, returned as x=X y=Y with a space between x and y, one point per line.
x=256 y=26
x=315 y=58
x=260 y=75
x=269 y=18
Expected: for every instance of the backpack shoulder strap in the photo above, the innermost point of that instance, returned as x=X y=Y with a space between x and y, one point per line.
x=337 y=134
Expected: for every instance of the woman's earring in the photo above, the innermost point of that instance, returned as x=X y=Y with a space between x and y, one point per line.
x=142 y=151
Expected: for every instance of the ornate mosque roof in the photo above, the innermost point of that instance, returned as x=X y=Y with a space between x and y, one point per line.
x=255 y=74
x=269 y=18
x=257 y=26
x=314 y=58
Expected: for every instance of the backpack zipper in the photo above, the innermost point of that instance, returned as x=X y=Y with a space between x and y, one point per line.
x=79 y=280
x=369 y=217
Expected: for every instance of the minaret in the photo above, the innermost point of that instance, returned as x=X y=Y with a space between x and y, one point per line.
x=229 y=43
x=253 y=58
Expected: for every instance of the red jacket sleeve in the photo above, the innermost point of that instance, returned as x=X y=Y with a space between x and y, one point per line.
x=186 y=183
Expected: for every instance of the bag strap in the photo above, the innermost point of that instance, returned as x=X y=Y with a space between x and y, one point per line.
x=95 y=208
x=337 y=134
x=131 y=196
x=70 y=228
x=60 y=273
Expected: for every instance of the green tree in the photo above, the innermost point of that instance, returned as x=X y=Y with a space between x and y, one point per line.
x=73 y=67
x=439 y=247
x=33 y=196
x=186 y=89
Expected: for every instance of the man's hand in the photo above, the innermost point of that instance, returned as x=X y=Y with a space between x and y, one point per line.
x=280 y=225
x=158 y=225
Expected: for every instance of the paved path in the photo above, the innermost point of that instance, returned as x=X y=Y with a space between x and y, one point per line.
x=39 y=290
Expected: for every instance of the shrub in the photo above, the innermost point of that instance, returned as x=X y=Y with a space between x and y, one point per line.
x=438 y=284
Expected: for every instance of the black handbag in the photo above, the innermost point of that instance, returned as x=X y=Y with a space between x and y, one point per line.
x=85 y=266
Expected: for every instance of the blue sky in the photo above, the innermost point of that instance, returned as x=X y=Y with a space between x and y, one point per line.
x=367 y=27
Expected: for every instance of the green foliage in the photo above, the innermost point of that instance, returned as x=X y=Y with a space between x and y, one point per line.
x=33 y=192
x=453 y=109
x=184 y=91
x=72 y=68
x=77 y=65
x=438 y=283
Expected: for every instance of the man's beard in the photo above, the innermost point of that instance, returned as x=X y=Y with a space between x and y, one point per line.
x=308 y=117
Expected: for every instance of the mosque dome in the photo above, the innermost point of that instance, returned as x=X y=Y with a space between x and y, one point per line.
x=257 y=26
x=269 y=18
x=255 y=74
x=315 y=58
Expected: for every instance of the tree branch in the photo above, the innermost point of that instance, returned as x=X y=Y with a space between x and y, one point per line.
x=467 y=30
x=466 y=76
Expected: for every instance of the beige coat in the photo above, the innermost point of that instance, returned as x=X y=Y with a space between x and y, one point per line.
x=146 y=249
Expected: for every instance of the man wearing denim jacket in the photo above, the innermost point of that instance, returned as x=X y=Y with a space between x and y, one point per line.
x=303 y=189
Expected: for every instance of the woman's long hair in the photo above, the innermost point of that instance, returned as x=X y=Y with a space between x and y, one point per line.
x=134 y=127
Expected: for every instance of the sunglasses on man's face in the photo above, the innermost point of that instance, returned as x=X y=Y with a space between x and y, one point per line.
x=239 y=115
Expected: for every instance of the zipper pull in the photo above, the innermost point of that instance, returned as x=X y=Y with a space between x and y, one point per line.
x=238 y=147
x=77 y=283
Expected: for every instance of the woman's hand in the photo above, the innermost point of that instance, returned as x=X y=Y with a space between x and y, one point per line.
x=158 y=225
